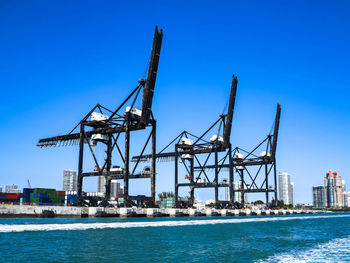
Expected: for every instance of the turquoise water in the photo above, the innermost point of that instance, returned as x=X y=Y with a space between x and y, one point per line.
x=302 y=238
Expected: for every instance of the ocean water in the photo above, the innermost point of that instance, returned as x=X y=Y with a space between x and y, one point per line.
x=292 y=238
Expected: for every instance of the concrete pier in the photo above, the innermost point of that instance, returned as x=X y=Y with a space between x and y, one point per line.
x=226 y=212
x=72 y=211
x=194 y=212
x=236 y=212
x=36 y=211
x=175 y=212
x=127 y=212
x=211 y=212
x=153 y=212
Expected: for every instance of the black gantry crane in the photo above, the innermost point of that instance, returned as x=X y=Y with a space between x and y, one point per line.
x=255 y=168
x=102 y=125
x=196 y=152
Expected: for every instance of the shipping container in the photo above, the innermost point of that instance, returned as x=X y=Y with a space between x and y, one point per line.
x=26 y=194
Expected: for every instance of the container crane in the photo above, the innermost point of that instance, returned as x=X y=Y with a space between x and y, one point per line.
x=102 y=125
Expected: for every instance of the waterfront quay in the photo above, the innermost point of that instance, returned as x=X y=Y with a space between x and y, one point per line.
x=74 y=211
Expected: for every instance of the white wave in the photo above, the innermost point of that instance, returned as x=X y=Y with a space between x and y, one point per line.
x=84 y=226
x=336 y=250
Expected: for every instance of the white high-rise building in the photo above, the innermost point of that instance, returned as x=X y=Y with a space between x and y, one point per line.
x=343 y=190
x=101 y=184
x=286 y=188
x=69 y=180
x=237 y=196
x=12 y=189
x=346 y=199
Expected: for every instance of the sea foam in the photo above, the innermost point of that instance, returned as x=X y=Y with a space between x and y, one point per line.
x=336 y=250
x=85 y=226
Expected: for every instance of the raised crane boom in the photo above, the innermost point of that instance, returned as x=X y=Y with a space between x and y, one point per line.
x=148 y=89
x=112 y=125
x=231 y=107
x=275 y=132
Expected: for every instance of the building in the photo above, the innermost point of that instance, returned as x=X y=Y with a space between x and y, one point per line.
x=237 y=196
x=198 y=204
x=69 y=180
x=333 y=188
x=292 y=193
x=319 y=200
x=115 y=189
x=0 y=189
x=304 y=206
x=343 y=189
x=286 y=188
x=101 y=184
x=12 y=189
x=226 y=189
x=346 y=199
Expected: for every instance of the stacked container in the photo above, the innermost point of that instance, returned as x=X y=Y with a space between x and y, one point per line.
x=26 y=195
x=167 y=202
x=43 y=196
x=9 y=198
x=72 y=199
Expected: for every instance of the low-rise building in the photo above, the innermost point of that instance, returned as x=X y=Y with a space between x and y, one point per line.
x=304 y=206
x=198 y=204
x=12 y=189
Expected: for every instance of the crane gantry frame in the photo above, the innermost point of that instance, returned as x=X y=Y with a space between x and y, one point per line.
x=102 y=125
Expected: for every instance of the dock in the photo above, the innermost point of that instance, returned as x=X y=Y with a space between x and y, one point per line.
x=7 y=211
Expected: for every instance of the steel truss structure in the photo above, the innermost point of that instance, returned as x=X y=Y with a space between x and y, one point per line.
x=102 y=125
x=195 y=152
x=264 y=163
x=252 y=166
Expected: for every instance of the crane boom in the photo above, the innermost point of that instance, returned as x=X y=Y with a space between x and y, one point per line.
x=275 y=132
x=148 y=89
x=231 y=107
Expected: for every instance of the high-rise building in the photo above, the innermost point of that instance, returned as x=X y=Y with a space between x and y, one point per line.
x=333 y=188
x=115 y=188
x=318 y=193
x=346 y=199
x=69 y=180
x=226 y=190
x=285 y=188
x=292 y=193
x=12 y=189
x=101 y=184
x=0 y=189
x=237 y=196
x=343 y=190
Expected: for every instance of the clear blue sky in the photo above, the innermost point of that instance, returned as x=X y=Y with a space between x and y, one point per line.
x=59 y=58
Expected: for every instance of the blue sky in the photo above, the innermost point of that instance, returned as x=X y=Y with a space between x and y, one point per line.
x=58 y=59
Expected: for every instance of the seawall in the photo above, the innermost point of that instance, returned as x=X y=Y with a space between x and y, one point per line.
x=17 y=211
